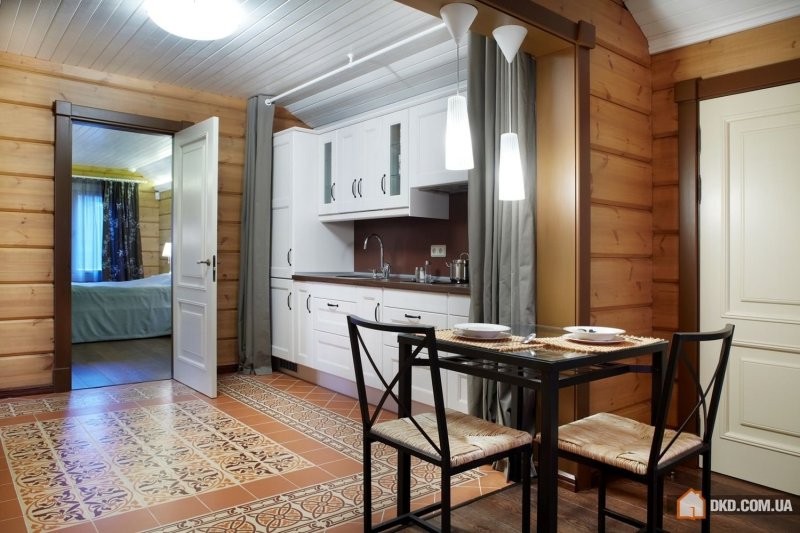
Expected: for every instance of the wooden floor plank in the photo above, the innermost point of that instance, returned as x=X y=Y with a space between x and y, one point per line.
x=100 y=364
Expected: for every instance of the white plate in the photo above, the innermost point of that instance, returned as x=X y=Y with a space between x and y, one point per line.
x=594 y=333
x=614 y=340
x=481 y=331
x=468 y=335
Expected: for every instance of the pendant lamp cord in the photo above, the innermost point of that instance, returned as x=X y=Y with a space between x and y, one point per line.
x=510 y=95
x=458 y=69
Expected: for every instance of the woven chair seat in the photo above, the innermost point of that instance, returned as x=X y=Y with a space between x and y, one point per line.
x=471 y=438
x=620 y=441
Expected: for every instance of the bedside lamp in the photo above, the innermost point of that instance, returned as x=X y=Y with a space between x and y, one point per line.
x=167 y=252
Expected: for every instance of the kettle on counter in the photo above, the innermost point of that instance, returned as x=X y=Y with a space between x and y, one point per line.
x=459 y=269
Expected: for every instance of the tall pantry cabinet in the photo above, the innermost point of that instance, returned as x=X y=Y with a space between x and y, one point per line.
x=300 y=242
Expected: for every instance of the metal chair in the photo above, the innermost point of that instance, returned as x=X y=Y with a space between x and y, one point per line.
x=646 y=453
x=453 y=441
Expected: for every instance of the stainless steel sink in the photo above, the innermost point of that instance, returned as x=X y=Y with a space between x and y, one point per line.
x=358 y=275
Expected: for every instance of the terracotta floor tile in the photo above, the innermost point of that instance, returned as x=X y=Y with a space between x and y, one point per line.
x=85 y=527
x=130 y=522
x=5 y=477
x=270 y=428
x=342 y=404
x=16 y=420
x=343 y=468
x=463 y=494
x=7 y=492
x=286 y=436
x=258 y=418
x=320 y=456
x=10 y=509
x=356 y=526
x=309 y=476
x=14 y=525
x=166 y=513
x=224 y=498
x=264 y=488
x=305 y=444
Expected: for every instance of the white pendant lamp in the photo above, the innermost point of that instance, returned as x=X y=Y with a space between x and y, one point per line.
x=512 y=184
x=458 y=139
x=201 y=20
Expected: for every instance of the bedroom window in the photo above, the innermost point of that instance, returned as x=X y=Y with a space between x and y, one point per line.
x=87 y=230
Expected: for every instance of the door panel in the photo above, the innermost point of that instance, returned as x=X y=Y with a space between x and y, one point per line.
x=194 y=296
x=749 y=252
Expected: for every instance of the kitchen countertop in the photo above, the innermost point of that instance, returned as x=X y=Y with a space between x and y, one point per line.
x=396 y=281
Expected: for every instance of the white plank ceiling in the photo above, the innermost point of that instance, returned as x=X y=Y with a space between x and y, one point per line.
x=284 y=43
x=280 y=45
x=671 y=24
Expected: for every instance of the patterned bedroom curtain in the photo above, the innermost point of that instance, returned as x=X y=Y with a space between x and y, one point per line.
x=122 y=242
x=87 y=230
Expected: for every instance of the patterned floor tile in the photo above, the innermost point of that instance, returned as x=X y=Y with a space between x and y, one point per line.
x=67 y=471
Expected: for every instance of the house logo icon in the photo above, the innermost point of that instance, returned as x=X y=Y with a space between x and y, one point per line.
x=691 y=506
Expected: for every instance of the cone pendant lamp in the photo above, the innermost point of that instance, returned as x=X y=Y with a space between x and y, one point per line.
x=458 y=139
x=511 y=181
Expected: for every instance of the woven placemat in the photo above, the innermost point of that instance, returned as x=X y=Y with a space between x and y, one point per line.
x=508 y=344
x=563 y=343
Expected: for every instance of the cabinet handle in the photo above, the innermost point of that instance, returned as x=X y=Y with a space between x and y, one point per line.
x=377 y=305
x=289 y=300
x=359 y=187
x=333 y=186
x=308 y=304
x=353 y=188
x=383 y=183
x=289 y=257
x=418 y=317
x=332 y=305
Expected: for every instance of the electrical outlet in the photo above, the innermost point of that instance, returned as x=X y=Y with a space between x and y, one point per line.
x=438 y=250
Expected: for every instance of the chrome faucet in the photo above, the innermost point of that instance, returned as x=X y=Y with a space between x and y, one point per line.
x=385 y=268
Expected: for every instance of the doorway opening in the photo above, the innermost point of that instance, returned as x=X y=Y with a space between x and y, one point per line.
x=121 y=281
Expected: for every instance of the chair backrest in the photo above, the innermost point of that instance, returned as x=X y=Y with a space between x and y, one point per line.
x=707 y=394
x=389 y=383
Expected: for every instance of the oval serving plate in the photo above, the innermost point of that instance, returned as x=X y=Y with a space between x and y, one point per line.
x=476 y=330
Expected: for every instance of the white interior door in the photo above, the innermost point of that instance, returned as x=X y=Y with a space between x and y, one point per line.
x=194 y=264
x=749 y=276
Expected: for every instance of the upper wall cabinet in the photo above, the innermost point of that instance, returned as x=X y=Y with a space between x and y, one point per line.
x=364 y=173
x=427 y=123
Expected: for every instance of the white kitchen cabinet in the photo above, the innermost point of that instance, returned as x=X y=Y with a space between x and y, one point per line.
x=300 y=241
x=427 y=124
x=456 y=396
x=365 y=173
x=281 y=305
x=330 y=306
x=369 y=307
x=303 y=325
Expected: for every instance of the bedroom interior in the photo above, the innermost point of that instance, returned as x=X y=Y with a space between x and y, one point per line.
x=121 y=276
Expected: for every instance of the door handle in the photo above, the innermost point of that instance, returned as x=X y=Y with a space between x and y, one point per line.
x=353 y=188
x=418 y=317
x=377 y=305
x=359 y=187
x=383 y=183
x=289 y=257
x=289 y=300
x=333 y=186
x=308 y=304
x=207 y=262
x=332 y=305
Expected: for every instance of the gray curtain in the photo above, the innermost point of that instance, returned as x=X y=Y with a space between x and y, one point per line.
x=502 y=243
x=255 y=336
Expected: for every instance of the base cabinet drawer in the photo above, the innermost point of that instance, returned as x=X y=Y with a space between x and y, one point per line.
x=333 y=354
x=331 y=315
x=421 y=389
x=410 y=317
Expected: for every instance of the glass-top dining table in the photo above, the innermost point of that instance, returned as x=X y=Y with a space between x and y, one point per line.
x=549 y=363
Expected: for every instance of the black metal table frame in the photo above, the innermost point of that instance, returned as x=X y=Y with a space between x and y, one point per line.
x=546 y=376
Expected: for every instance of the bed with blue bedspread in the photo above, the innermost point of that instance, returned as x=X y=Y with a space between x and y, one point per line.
x=116 y=310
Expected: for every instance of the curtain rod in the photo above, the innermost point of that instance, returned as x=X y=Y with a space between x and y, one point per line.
x=352 y=63
x=103 y=178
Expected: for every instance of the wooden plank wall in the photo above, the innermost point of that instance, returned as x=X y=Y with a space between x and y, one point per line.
x=28 y=88
x=768 y=44
x=622 y=200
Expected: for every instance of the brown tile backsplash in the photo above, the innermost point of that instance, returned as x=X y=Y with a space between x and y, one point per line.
x=407 y=241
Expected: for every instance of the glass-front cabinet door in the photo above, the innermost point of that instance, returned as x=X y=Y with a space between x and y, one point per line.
x=328 y=193
x=393 y=183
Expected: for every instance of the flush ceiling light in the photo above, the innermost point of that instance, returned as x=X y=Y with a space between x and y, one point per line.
x=458 y=139
x=512 y=186
x=201 y=20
